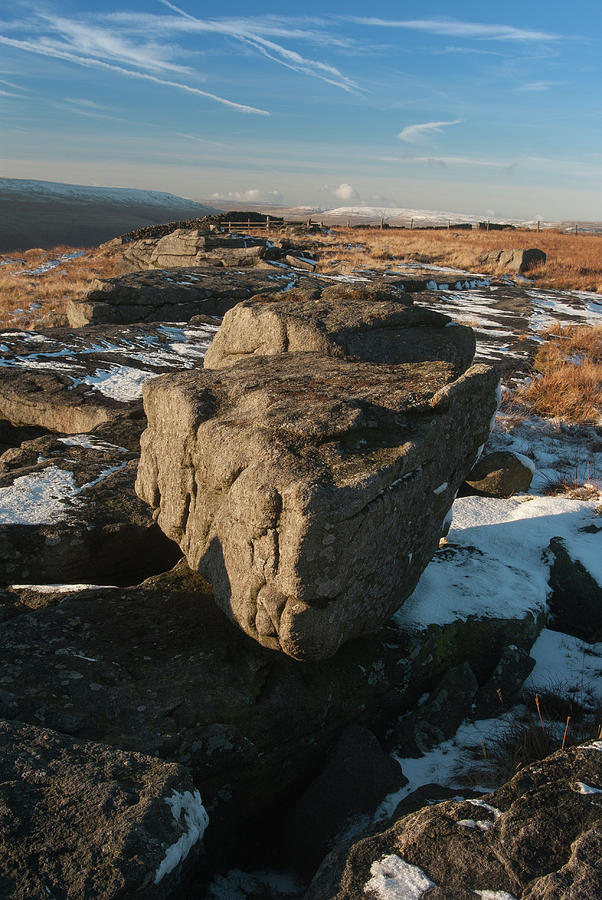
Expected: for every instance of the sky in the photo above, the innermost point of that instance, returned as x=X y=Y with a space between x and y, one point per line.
x=495 y=110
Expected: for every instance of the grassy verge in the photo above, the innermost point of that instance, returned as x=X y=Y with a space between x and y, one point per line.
x=27 y=295
x=567 y=377
x=574 y=262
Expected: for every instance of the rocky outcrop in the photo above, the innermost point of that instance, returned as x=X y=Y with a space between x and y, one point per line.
x=192 y=247
x=160 y=670
x=71 y=383
x=538 y=836
x=69 y=514
x=575 y=597
x=514 y=260
x=172 y=295
x=176 y=295
x=327 y=498
x=501 y=474
x=354 y=322
x=81 y=819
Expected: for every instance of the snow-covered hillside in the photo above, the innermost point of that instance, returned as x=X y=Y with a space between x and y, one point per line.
x=47 y=213
x=26 y=189
x=421 y=217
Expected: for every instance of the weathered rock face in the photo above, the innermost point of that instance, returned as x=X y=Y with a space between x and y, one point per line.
x=359 y=323
x=192 y=247
x=514 y=260
x=309 y=490
x=538 y=836
x=173 y=295
x=80 y=819
x=177 y=294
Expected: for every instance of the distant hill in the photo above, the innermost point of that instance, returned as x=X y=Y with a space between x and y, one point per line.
x=46 y=213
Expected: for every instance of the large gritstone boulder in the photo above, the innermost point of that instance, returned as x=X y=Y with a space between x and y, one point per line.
x=367 y=325
x=311 y=491
x=192 y=247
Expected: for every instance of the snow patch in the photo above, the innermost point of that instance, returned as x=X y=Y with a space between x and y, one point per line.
x=122 y=383
x=59 y=588
x=583 y=788
x=479 y=824
x=395 y=879
x=573 y=667
x=196 y=821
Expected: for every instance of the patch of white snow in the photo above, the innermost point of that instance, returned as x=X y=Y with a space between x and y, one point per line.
x=196 y=821
x=395 y=879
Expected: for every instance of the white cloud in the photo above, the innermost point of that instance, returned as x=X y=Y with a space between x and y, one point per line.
x=252 y=195
x=450 y=27
x=537 y=86
x=411 y=134
x=346 y=192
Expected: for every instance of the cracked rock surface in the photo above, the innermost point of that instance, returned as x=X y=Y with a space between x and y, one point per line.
x=310 y=490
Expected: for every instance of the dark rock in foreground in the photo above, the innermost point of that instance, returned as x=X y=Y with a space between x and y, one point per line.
x=160 y=670
x=81 y=819
x=537 y=837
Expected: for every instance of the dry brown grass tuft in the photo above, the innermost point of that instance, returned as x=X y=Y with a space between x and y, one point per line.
x=568 y=376
x=26 y=297
x=574 y=261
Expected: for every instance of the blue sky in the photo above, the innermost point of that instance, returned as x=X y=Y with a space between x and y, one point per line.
x=493 y=110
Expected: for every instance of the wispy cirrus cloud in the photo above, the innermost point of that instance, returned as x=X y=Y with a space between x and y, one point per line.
x=444 y=161
x=65 y=52
x=455 y=28
x=249 y=32
x=412 y=134
x=536 y=87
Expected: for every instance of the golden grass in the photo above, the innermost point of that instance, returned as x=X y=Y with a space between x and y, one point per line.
x=26 y=298
x=567 y=382
x=574 y=261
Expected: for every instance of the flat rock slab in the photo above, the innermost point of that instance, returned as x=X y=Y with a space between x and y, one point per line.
x=173 y=295
x=80 y=819
x=72 y=381
x=327 y=498
x=177 y=294
x=192 y=247
x=69 y=513
x=161 y=670
x=345 y=321
x=538 y=836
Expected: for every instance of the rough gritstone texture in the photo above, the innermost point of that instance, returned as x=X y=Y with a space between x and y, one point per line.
x=538 y=837
x=81 y=820
x=159 y=669
x=514 y=260
x=311 y=491
x=361 y=325
x=172 y=295
x=192 y=247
